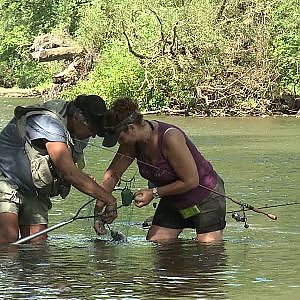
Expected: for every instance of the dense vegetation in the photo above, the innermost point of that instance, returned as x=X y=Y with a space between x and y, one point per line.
x=214 y=57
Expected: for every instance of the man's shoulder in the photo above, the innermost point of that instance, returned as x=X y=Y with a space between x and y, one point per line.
x=56 y=105
x=46 y=119
x=45 y=126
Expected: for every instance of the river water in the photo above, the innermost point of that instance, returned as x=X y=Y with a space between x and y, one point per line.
x=259 y=160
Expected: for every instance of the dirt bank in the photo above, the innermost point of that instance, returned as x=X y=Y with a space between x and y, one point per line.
x=19 y=93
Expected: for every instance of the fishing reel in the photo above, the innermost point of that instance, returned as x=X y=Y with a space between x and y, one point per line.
x=240 y=218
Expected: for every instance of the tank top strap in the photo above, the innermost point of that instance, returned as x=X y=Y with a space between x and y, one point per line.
x=163 y=128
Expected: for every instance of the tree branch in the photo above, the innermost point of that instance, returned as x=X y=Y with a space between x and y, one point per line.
x=221 y=10
x=174 y=39
x=130 y=47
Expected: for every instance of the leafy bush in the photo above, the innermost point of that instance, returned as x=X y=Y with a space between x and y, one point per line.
x=116 y=74
x=20 y=23
x=199 y=53
x=285 y=44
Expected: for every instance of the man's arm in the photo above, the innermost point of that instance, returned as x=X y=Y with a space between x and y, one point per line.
x=62 y=159
x=118 y=166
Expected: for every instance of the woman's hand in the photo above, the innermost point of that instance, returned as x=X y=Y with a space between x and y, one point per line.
x=143 y=197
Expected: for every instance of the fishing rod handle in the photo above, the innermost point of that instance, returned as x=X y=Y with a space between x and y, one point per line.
x=37 y=234
x=271 y=216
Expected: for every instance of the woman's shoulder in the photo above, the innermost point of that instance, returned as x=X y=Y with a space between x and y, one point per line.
x=162 y=126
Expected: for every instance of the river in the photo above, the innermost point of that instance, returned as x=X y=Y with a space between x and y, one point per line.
x=259 y=160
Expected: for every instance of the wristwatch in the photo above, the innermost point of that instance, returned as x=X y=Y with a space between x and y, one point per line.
x=155 y=193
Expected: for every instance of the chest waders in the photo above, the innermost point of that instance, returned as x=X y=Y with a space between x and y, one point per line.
x=45 y=176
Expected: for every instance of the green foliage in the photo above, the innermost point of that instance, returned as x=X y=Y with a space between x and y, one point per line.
x=117 y=74
x=175 y=53
x=20 y=23
x=68 y=14
x=285 y=46
x=97 y=24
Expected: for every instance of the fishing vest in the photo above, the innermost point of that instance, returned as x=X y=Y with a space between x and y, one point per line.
x=45 y=176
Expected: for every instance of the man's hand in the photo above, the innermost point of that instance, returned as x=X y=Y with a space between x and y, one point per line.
x=99 y=226
x=104 y=217
x=98 y=223
x=110 y=213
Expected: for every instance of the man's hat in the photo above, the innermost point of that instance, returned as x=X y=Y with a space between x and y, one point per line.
x=93 y=109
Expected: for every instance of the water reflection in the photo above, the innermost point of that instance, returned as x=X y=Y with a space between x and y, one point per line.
x=186 y=268
x=23 y=270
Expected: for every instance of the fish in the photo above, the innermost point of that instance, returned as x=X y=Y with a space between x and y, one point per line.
x=117 y=236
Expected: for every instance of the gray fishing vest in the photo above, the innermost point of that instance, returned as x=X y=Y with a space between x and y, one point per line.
x=46 y=177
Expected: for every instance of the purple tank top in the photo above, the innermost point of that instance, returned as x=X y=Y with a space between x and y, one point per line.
x=161 y=173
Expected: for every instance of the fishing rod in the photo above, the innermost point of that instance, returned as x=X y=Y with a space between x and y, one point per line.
x=269 y=206
x=126 y=195
x=244 y=206
x=236 y=214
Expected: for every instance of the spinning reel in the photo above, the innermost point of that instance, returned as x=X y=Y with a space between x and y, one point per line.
x=241 y=218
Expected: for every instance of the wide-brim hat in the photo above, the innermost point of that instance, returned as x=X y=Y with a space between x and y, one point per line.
x=93 y=108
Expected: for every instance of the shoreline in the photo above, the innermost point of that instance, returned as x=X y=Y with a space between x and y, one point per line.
x=19 y=93
x=34 y=93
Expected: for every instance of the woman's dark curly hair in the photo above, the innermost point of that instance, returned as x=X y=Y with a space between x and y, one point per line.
x=121 y=109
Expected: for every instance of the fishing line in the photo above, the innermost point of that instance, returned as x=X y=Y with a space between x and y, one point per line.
x=244 y=206
x=126 y=201
x=127 y=197
x=118 y=230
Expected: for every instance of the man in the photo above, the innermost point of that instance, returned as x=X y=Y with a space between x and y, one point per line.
x=41 y=156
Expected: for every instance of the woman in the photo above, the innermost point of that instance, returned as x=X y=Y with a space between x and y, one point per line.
x=184 y=181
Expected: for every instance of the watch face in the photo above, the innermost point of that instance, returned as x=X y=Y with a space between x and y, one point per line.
x=155 y=193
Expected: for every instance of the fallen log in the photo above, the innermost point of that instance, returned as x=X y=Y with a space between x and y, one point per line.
x=57 y=53
x=166 y=110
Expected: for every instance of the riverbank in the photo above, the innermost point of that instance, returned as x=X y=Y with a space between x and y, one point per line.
x=291 y=108
x=19 y=93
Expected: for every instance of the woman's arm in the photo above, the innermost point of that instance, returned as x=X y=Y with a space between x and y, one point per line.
x=181 y=160
x=120 y=163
